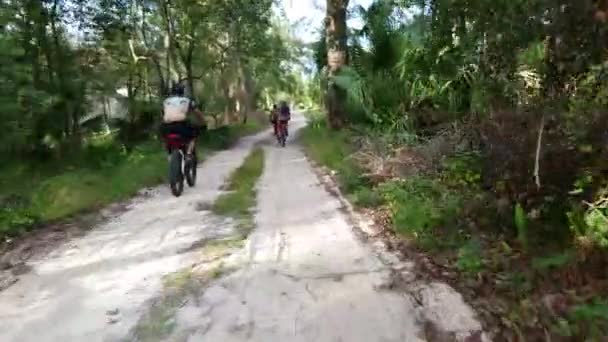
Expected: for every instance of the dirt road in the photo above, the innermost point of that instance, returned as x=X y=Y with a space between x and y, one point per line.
x=303 y=275
x=71 y=294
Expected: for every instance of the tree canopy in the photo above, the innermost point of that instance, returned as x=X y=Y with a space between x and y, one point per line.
x=66 y=64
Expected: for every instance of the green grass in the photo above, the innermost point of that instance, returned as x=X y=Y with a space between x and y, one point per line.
x=469 y=257
x=241 y=196
x=418 y=205
x=332 y=150
x=218 y=248
x=158 y=322
x=99 y=174
x=367 y=197
x=326 y=147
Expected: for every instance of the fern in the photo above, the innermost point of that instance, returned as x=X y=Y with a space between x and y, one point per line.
x=350 y=81
x=521 y=224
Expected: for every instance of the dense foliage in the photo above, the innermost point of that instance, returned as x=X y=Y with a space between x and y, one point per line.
x=525 y=80
x=481 y=127
x=81 y=85
x=68 y=67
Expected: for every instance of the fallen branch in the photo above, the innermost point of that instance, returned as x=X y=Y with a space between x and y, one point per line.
x=135 y=57
x=537 y=158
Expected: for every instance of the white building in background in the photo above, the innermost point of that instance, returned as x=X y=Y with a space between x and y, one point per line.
x=111 y=107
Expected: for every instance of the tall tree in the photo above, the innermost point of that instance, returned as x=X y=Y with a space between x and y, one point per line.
x=337 y=57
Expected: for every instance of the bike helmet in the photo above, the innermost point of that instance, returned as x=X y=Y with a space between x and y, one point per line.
x=177 y=89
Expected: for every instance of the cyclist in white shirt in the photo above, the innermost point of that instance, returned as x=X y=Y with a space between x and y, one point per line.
x=175 y=116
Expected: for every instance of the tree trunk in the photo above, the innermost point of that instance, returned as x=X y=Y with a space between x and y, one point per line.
x=163 y=88
x=168 y=47
x=226 y=93
x=336 y=39
x=552 y=79
x=244 y=90
x=63 y=88
x=187 y=59
x=190 y=77
x=249 y=90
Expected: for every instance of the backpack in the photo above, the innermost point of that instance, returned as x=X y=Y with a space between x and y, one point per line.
x=285 y=111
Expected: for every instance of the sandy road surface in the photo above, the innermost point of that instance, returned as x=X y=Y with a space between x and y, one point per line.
x=74 y=293
x=303 y=276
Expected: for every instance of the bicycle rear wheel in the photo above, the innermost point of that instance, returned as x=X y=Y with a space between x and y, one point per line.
x=176 y=177
x=190 y=170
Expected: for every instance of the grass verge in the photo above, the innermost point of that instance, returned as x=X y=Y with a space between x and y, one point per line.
x=158 y=323
x=188 y=284
x=34 y=193
x=416 y=206
x=332 y=150
x=241 y=196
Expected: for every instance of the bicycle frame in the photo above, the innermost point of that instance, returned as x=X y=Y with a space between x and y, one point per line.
x=176 y=142
x=282 y=127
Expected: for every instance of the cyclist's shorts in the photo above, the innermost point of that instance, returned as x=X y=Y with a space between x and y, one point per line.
x=184 y=128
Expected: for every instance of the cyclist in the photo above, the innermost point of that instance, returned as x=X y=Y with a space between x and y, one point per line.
x=274 y=116
x=175 y=117
x=284 y=116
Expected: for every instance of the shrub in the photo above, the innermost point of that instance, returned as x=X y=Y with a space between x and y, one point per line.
x=469 y=257
x=419 y=205
x=462 y=170
x=366 y=197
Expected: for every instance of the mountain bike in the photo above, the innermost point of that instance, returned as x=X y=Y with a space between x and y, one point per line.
x=282 y=133
x=181 y=165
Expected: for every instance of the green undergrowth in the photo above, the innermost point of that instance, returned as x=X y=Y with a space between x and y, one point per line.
x=240 y=197
x=332 y=150
x=417 y=205
x=100 y=173
x=485 y=245
x=223 y=137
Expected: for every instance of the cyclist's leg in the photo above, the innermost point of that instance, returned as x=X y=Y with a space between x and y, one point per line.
x=167 y=128
x=197 y=130
x=191 y=134
x=185 y=131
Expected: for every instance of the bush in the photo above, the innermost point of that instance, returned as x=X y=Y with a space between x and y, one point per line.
x=470 y=257
x=419 y=205
x=589 y=320
x=366 y=197
x=590 y=226
x=15 y=220
x=462 y=170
